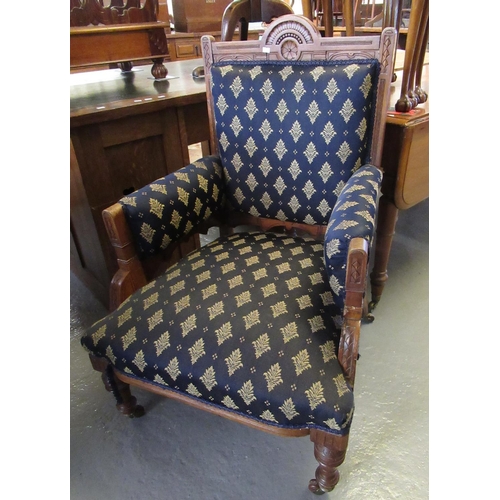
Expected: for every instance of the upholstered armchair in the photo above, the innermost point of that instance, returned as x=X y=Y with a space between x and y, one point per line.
x=262 y=324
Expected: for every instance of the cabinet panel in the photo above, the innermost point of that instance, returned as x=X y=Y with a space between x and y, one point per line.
x=198 y=15
x=187 y=50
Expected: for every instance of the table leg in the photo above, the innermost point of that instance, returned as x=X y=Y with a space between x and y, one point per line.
x=386 y=227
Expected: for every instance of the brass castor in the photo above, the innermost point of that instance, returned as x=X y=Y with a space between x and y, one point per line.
x=314 y=487
x=130 y=408
x=137 y=412
x=368 y=318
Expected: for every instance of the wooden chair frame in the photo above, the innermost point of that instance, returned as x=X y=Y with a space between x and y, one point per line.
x=329 y=449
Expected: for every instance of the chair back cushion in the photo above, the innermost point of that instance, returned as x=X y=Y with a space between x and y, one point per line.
x=291 y=134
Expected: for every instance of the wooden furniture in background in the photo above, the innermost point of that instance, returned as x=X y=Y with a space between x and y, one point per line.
x=243 y=12
x=126 y=130
x=322 y=13
x=95 y=12
x=412 y=93
x=195 y=16
x=117 y=34
x=188 y=45
x=405 y=162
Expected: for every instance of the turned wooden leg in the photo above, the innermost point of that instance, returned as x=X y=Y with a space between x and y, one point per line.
x=405 y=103
x=125 y=402
x=422 y=95
x=329 y=451
x=126 y=66
x=386 y=227
x=159 y=71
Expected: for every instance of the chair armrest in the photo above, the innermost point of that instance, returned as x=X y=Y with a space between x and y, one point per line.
x=172 y=207
x=352 y=217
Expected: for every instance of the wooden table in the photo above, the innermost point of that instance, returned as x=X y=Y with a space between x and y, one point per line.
x=128 y=130
x=405 y=161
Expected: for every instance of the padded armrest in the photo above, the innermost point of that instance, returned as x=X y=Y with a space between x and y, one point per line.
x=171 y=207
x=353 y=216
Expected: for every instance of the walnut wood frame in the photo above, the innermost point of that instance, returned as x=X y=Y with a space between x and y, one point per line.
x=329 y=449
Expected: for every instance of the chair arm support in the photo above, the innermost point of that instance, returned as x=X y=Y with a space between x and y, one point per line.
x=356 y=276
x=172 y=207
x=352 y=217
x=130 y=275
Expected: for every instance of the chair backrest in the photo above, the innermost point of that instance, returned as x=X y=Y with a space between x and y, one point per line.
x=294 y=115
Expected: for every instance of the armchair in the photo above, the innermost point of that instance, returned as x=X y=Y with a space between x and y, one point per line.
x=261 y=325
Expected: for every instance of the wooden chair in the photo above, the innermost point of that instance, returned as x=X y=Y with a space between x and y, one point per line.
x=262 y=325
x=243 y=12
x=323 y=11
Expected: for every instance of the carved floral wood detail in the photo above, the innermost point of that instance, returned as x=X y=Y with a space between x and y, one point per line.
x=94 y=12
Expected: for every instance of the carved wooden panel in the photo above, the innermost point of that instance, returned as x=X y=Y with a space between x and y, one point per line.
x=95 y=12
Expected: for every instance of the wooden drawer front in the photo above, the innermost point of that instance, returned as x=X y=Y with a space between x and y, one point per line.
x=185 y=50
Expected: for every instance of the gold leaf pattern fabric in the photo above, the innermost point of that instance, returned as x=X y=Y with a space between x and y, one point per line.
x=249 y=323
x=299 y=119
x=167 y=209
x=353 y=216
x=267 y=351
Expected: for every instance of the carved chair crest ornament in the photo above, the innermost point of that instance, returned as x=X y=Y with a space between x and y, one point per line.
x=259 y=326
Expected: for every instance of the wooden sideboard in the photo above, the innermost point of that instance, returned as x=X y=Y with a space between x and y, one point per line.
x=128 y=130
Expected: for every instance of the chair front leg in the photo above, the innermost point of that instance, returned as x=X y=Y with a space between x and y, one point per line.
x=329 y=451
x=125 y=402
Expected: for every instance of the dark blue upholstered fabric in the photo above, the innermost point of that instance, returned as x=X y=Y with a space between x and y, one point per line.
x=291 y=134
x=250 y=323
x=169 y=208
x=247 y=323
x=352 y=217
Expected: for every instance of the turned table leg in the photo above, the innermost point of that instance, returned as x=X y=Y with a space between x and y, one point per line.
x=386 y=227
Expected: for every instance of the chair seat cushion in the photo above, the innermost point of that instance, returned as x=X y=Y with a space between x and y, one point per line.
x=246 y=323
